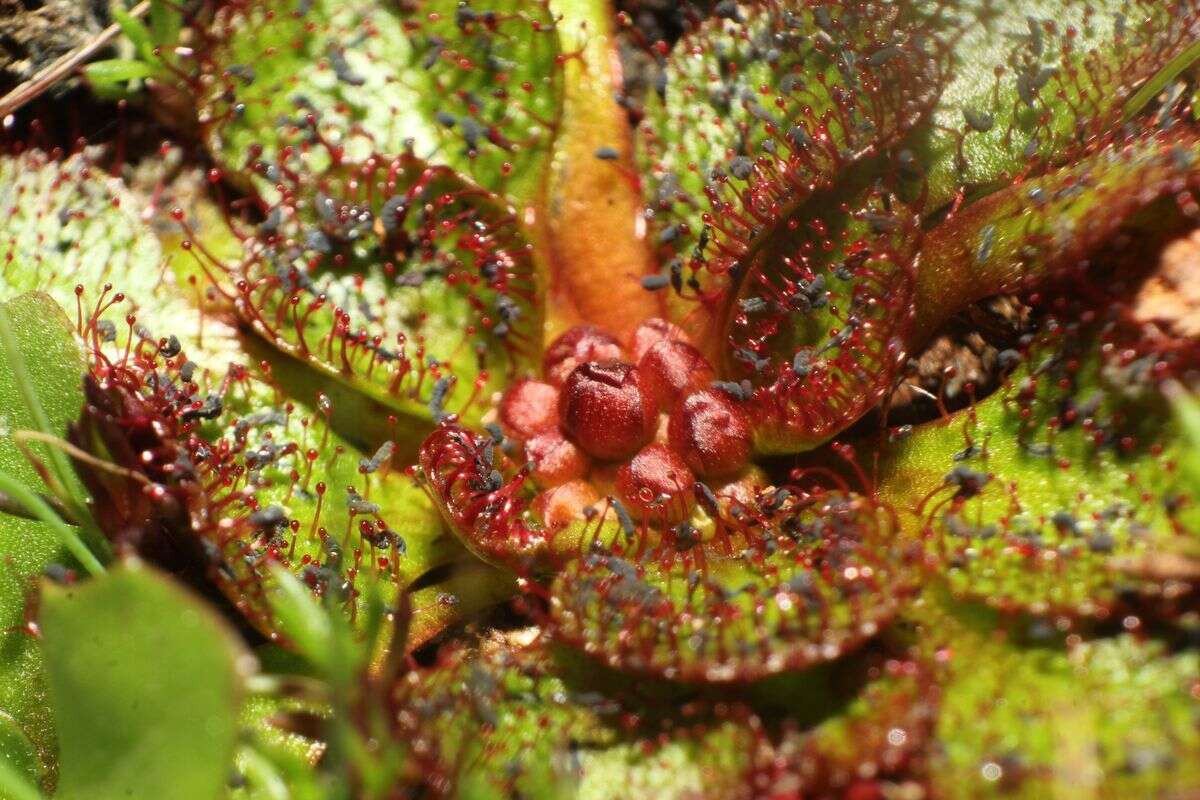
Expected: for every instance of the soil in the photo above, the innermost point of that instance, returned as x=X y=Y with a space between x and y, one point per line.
x=1170 y=297
x=644 y=23
x=33 y=33
x=961 y=364
x=664 y=20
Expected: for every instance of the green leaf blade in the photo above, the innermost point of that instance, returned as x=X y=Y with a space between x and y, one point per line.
x=1037 y=83
x=117 y=70
x=53 y=367
x=145 y=686
x=474 y=89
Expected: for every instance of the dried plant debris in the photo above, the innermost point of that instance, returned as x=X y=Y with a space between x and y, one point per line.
x=34 y=34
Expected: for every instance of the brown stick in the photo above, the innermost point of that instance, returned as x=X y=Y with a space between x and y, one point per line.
x=13 y=508
x=81 y=455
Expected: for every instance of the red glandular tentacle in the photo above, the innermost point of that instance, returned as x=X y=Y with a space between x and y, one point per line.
x=807 y=391
x=462 y=471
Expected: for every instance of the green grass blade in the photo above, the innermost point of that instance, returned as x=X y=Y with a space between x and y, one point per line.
x=1159 y=82
x=42 y=511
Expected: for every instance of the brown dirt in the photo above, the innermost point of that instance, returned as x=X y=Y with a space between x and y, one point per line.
x=966 y=352
x=34 y=33
x=1170 y=297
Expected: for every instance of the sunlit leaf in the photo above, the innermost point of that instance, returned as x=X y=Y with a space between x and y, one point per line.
x=759 y=161
x=407 y=283
x=1035 y=84
x=474 y=87
x=68 y=224
x=1110 y=718
x=1060 y=492
x=1032 y=232
x=814 y=582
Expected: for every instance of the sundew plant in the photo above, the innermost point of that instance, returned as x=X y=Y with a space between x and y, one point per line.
x=787 y=399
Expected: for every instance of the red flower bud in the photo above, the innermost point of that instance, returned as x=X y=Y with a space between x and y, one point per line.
x=564 y=504
x=528 y=408
x=605 y=410
x=711 y=432
x=658 y=484
x=555 y=459
x=671 y=369
x=580 y=344
x=651 y=332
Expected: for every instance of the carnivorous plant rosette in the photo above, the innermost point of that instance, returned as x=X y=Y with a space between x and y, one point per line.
x=777 y=399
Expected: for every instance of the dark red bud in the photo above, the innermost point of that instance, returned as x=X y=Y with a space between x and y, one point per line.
x=555 y=459
x=605 y=410
x=528 y=408
x=711 y=431
x=650 y=333
x=671 y=369
x=564 y=504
